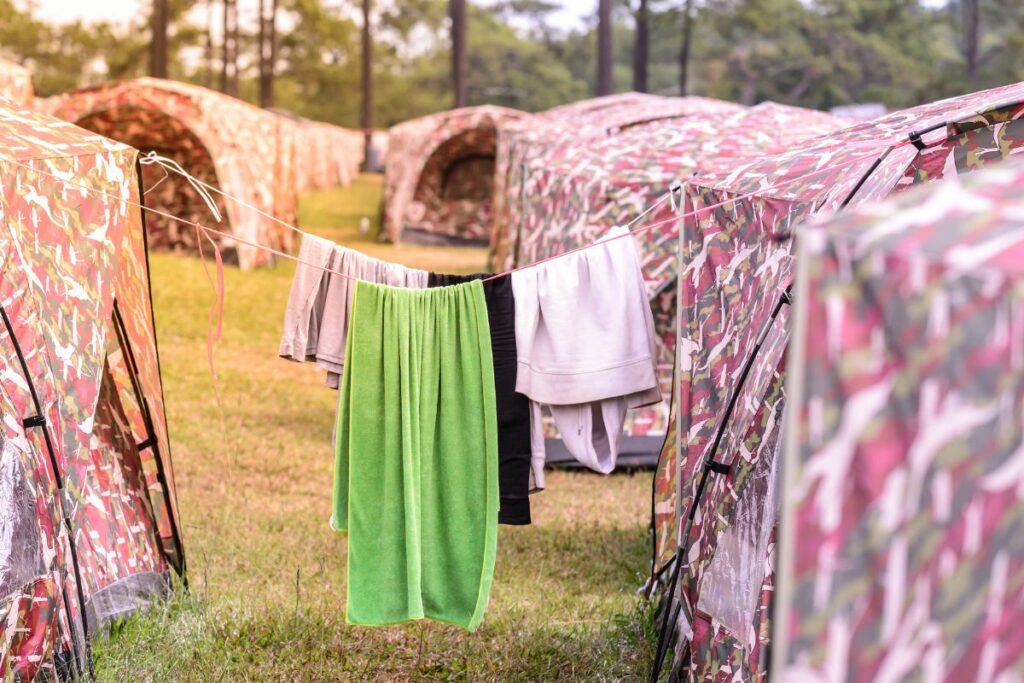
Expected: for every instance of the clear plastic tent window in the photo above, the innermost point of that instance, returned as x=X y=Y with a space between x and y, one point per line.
x=732 y=584
x=21 y=553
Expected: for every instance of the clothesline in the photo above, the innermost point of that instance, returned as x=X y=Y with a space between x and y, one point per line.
x=669 y=195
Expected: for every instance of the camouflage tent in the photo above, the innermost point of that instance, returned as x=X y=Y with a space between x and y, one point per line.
x=439 y=173
x=734 y=311
x=88 y=523
x=16 y=83
x=576 y=192
x=902 y=548
x=518 y=139
x=326 y=155
x=527 y=148
x=243 y=150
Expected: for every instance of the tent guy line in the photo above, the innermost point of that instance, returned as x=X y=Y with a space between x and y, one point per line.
x=666 y=196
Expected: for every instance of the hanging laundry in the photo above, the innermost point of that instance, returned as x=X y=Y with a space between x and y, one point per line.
x=513 y=408
x=586 y=345
x=416 y=473
x=306 y=299
x=320 y=301
x=337 y=310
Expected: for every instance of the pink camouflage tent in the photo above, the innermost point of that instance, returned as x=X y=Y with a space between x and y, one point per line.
x=525 y=147
x=326 y=155
x=580 y=191
x=245 y=151
x=520 y=141
x=439 y=173
x=88 y=520
x=16 y=83
x=905 y=453
x=714 y=490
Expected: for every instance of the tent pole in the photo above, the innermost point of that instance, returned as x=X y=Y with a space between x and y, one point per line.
x=711 y=466
x=864 y=178
x=156 y=349
x=151 y=440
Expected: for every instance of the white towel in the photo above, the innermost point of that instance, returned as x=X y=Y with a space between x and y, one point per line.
x=586 y=344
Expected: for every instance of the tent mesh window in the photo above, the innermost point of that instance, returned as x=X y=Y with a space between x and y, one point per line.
x=21 y=552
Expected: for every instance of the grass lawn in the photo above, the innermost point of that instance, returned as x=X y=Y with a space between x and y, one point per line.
x=253 y=462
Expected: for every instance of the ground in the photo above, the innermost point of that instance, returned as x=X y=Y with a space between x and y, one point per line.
x=252 y=461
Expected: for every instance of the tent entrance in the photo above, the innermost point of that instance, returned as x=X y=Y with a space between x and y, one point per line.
x=151 y=130
x=452 y=200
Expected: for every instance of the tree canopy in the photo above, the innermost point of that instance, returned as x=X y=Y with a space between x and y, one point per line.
x=817 y=53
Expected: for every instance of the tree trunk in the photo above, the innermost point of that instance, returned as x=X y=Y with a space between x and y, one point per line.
x=971 y=28
x=366 y=120
x=272 y=70
x=224 y=52
x=208 y=80
x=641 y=47
x=457 y=9
x=229 y=50
x=158 y=43
x=233 y=89
x=267 y=51
x=605 y=63
x=684 y=51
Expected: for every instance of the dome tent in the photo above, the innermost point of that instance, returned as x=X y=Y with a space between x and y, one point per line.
x=90 y=530
x=439 y=175
x=229 y=144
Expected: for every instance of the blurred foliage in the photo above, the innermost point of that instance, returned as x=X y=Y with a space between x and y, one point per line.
x=817 y=53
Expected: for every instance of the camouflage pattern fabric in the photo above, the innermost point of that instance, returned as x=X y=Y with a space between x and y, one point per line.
x=905 y=524
x=555 y=144
x=73 y=250
x=28 y=650
x=427 y=183
x=737 y=260
x=326 y=155
x=519 y=140
x=259 y=157
x=16 y=83
x=718 y=656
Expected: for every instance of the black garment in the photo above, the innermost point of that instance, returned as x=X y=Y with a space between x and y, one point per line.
x=513 y=408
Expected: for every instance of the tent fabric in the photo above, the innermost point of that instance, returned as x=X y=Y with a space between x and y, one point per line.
x=78 y=338
x=737 y=264
x=326 y=155
x=439 y=172
x=16 y=83
x=516 y=141
x=244 y=151
x=908 y=462
x=529 y=153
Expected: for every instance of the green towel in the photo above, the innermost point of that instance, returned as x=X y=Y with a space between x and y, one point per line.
x=416 y=475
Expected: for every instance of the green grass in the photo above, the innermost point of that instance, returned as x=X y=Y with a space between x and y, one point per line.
x=253 y=463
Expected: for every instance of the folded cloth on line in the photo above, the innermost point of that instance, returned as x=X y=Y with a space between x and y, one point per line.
x=586 y=344
x=319 y=303
x=306 y=300
x=337 y=310
x=416 y=472
x=513 y=408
